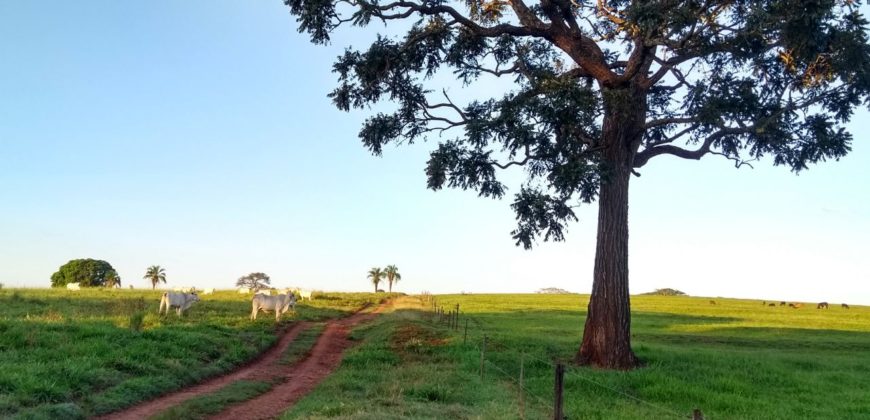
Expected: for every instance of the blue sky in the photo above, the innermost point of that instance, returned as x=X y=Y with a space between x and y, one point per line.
x=198 y=136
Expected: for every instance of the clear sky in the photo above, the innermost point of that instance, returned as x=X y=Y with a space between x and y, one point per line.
x=197 y=135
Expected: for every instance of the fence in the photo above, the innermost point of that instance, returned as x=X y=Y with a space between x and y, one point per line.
x=455 y=320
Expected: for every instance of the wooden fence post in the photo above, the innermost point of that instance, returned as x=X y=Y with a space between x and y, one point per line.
x=465 y=337
x=522 y=401
x=456 y=321
x=557 y=392
x=482 y=351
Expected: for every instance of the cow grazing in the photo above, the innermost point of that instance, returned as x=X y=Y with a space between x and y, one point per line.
x=795 y=305
x=782 y=303
x=712 y=302
x=280 y=304
x=180 y=301
x=845 y=306
x=73 y=286
x=771 y=304
x=822 y=305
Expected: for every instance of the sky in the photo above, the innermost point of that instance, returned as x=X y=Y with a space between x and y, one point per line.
x=198 y=136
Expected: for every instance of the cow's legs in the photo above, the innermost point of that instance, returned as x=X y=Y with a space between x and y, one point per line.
x=254 y=313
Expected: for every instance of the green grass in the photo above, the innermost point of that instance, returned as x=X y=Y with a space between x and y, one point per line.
x=736 y=359
x=302 y=344
x=404 y=368
x=203 y=406
x=77 y=354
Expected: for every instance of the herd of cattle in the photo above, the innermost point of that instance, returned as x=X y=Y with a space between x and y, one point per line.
x=262 y=301
x=182 y=298
x=821 y=305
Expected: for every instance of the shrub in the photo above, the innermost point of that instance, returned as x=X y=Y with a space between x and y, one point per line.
x=665 y=292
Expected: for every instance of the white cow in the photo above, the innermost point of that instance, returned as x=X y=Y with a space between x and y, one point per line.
x=73 y=286
x=208 y=291
x=181 y=301
x=304 y=294
x=280 y=304
x=244 y=290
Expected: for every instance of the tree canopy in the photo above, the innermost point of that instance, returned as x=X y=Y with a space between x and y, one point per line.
x=87 y=272
x=254 y=281
x=155 y=274
x=598 y=89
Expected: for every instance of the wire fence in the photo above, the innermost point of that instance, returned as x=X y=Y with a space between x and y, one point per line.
x=481 y=333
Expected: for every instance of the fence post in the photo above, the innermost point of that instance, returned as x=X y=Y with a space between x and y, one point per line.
x=557 y=392
x=465 y=337
x=456 y=322
x=522 y=401
x=482 y=351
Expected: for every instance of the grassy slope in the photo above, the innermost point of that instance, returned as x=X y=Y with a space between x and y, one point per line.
x=72 y=354
x=735 y=359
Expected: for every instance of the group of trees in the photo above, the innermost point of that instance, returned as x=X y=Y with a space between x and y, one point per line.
x=599 y=89
x=98 y=273
x=88 y=273
x=390 y=273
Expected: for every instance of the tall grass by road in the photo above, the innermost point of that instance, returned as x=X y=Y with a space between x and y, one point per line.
x=75 y=354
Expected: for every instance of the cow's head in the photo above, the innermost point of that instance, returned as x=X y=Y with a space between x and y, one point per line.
x=194 y=297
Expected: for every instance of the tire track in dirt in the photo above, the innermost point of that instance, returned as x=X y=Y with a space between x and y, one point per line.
x=256 y=368
x=302 y=378
x=295 y=380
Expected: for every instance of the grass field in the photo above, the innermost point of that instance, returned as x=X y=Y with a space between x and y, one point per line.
x=736 y=359
x=75 y=354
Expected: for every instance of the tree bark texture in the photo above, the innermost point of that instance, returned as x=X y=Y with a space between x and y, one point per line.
x=607 y=334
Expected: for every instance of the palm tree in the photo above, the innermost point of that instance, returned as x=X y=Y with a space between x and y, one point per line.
x=376 y=275
x=156 y=274
x=393 y=276
x=113 y=280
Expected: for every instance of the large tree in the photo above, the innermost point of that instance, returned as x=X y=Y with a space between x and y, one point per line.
x=155 y=274
x=597 y=90
x=254 y=281
x=87 y=272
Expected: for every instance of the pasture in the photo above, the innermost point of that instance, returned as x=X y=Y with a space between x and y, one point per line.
x=75 y=354
x=736 y=359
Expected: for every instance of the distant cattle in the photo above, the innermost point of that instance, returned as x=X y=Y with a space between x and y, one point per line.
x=822 y=305
x=845 y=306
x=782 y=303
x=131 y=287
x=763 y=303
x=712 y=302
x=244 y=290
x=208 y=291
x=771 y=304
x=180 y=301
x=305 y=294
x=795 y=305
x=73 y=286
x=279 y=304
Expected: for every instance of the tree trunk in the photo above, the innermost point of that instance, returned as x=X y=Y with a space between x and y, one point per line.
x=391 y=287
x=607 y=334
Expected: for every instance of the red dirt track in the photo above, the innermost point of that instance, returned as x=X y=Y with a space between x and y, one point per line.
x=293 y=381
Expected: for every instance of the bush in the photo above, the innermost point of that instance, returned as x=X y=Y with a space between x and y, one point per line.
x=665 y=292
